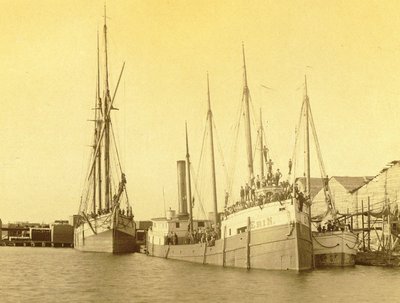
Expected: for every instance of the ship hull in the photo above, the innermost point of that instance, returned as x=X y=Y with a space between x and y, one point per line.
x=275 y=248
x=103 y=235
x=334 y=249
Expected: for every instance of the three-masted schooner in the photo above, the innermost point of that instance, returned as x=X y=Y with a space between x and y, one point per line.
x=271 y=233
x=105 y=217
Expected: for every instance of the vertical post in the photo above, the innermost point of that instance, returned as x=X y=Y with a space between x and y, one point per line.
x=384 y=237
x=248 y=243
x=223 y=248
x=362 y=224
x=351 y=223
x=369 y=224
x=205 y=253
x=261 y=147
x=389 y=234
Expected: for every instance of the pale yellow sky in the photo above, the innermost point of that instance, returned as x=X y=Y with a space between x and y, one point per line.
x=350 y=51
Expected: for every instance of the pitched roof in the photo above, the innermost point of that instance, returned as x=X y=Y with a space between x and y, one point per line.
x=349 y=183
x=352 y=183
x=316 y=185
x=143 y=224
x=389 y=165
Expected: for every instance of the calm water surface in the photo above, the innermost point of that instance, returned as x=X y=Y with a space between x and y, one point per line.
x=65 y=275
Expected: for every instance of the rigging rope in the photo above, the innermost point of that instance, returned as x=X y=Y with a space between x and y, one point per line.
x=255 y=146
x=294 y=158
x=253 y=120
x=221 y=154
x=234 y=147
x=119 y=161
x=202 y=145
x=115 y=146
x=195 y=179
x=320 y=161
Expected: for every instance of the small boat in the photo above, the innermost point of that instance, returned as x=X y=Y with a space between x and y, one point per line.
x=270 y=232
x=105 y=219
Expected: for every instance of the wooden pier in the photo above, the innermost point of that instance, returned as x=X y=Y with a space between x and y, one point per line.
x=30 y=243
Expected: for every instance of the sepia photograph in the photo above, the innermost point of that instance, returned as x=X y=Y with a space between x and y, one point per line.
x=200 y=151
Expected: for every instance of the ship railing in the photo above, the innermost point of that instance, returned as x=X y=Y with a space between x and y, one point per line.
x=262 y=198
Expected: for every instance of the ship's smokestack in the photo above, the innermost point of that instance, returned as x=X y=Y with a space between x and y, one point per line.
x=182 y=196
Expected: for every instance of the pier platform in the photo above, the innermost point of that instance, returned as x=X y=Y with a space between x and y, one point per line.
x=377 y=258
x=30 y=243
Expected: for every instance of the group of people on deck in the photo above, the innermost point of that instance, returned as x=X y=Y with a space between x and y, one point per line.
x=105 y=211
x=332 y=225
x=206 y=235
x=248 y=192
x=172 y=238
x=253 y=194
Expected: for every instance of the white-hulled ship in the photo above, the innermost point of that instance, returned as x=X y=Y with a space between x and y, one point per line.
x=272 y=232
x=105 y=221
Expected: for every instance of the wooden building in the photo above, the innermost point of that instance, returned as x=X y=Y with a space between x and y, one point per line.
x=341 y=190
x=381 y=191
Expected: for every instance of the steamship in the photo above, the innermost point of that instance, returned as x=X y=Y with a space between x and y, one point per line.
x=274 y=234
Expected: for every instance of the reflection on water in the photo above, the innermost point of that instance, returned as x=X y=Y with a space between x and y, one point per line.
x=66 y=275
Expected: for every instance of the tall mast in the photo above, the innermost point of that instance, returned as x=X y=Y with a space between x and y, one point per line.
x=189 y=182
x=94 y=152
x=261 y=146
x=307 y=158
x=307 y=139
x=247 y=121
x=107 y=101
x=98 y=121
x=214 y=184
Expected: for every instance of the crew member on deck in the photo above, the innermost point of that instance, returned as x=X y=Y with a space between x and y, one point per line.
x=226 y=198
x=253 y=193
x=278 y=175
x=269 y=178
x=258 y=183
x=265 y=151
x=241 y=194
x=270 y=163
x=263 y=182
x=247 y=191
